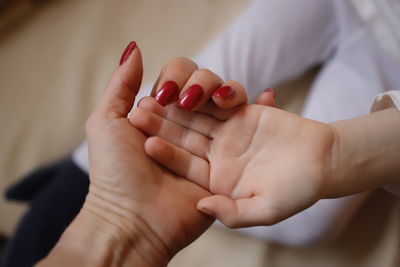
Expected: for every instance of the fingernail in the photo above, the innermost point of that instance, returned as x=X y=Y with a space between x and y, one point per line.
x=273 y=92
x=191 y=96
x=168 y=93
x=127 y=52
x=224 y=92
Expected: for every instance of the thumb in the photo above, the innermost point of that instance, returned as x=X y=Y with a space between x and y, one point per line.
x=124 y=84
x=235 y=213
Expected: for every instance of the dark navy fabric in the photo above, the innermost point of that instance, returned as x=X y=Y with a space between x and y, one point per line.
x=56 y=194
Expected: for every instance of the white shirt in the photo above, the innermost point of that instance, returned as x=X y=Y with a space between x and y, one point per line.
x=383 y=18
x=382 y=101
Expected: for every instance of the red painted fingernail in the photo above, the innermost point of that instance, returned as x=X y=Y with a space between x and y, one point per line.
x=273 y=92
x=224 y=92
x=127 y=52
x=168 y=93
x=191 y=96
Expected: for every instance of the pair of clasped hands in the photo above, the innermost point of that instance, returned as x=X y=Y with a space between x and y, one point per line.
x=161 y=173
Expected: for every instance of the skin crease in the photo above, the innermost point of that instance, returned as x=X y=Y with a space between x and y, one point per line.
x=249 y=173
x=145 y=194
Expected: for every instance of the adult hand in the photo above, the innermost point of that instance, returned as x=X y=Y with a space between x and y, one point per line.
x=143 y=213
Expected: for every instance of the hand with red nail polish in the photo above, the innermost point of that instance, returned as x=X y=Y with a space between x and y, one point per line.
x=195 y=89
x=136 y=212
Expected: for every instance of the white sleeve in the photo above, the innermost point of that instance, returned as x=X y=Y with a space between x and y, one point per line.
x=386 y=100
x=383 y=101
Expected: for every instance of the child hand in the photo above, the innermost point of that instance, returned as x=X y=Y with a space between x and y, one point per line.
x=262 y=164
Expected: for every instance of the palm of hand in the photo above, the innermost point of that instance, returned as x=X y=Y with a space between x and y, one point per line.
x=272 y=157
x=122 y=174
x=263 y=164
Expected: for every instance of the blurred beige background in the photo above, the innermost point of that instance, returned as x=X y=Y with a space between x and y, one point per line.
x=54 y=62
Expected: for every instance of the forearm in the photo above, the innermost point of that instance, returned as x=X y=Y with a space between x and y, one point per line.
x=366 y=153
x=93 y=240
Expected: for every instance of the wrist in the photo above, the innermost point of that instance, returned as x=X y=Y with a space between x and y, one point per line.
x=341 y=161
x=100 y=236
x=365 y=153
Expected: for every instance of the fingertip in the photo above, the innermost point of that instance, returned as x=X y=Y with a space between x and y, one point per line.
x=224 y=96
x=159 y=150
x=123 y=86
x=144 y=120
x=135 y=117
x=267 y=98
x=224 y=92
x=220 y=207
x=150 y=104
x=127 y=52
x=230 y=95
x=271 y=91
x=168 y=93
x=203 y=206
x=139 y=103
x=130 y=71
x=154 y=146
x=178 y=70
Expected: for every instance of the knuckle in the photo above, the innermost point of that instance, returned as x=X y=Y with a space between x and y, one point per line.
x=238 y=87
x=179 y=64
x=204 y=73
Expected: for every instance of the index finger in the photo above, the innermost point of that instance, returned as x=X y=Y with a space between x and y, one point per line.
x=172 y=78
